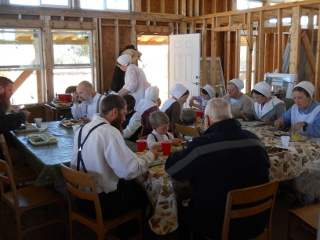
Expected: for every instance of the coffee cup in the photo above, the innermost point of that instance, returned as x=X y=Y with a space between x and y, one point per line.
x=285 y=141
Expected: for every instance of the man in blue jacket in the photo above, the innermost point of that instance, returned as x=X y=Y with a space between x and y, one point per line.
x=224 y=158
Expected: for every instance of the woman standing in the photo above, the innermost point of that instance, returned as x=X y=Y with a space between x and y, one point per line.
x=304 y=115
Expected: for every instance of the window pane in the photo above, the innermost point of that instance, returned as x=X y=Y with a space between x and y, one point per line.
x=28 y=91
x=71 y=49
x=55 y=2
x=21 y=48
x=24 y=2
x=92 y=4
x=118 y=4
x=64 y=78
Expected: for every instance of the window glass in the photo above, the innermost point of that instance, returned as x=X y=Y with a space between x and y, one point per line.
x=92 y=4
x=72 y=58
x=24 y=2
x=55 y=2
x=22 y=63
x=245 y=4
x=118 y=4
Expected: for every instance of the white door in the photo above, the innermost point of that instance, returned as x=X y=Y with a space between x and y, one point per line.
x=184 y=62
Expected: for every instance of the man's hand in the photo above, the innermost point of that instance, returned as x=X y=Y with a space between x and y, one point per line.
x=155 y=153
x=85 y=120
x=176 y=141
x=278 y=123
x=26 y=113
x=75 y=97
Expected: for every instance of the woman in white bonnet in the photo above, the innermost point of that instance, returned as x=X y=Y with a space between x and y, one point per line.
x=135 y=80
x=304 y=115
x=207 y=92
x=239 y=102
x=148 y=105
x=266 y=108
x=173 y=106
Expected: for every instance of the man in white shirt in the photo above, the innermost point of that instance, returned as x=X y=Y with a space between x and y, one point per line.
x=90 y=102
x=106 y=156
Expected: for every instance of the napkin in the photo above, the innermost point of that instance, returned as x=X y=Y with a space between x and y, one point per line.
x=158 y=161
x=43 y=128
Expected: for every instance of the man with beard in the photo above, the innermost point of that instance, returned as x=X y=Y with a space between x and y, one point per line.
x=90 y=101
x=105 y=155
x=223 y=158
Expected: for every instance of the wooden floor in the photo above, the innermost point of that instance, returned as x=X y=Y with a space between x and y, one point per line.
x=55 y=232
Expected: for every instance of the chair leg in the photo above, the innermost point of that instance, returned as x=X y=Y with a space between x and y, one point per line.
x=19 y=227
x=289 y=226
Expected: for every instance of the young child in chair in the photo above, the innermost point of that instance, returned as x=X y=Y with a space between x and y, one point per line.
x=160 y=125
x=189 y=119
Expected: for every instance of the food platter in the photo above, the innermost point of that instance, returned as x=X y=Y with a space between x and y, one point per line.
x=41 y=139
x=27 y=128
x=297 y=138
x=274 y=150
x=70 y=123
x=251 y=124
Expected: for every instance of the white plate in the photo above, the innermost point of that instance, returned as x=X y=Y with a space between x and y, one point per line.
x=41 y=139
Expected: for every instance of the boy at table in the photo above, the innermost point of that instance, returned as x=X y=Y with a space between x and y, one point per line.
x=106 y=156
x=223 y=158
x=160 y=125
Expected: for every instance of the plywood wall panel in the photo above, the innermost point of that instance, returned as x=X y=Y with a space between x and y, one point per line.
x=108 y=54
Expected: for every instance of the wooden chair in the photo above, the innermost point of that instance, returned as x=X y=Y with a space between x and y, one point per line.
x=21 y=175
x=307 y=216
x=76 y=182
x=249 y=195
x=71 y=89
x=186 y=131
x=27 y=198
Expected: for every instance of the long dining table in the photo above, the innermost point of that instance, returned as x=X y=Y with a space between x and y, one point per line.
x=161 y=189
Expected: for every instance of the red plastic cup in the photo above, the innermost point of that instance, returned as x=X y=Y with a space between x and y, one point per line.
x=141 y=145
x=199 y=114
x=166 y=147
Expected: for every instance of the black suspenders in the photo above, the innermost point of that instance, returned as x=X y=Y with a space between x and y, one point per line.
x=155 y=138
x=80 y=146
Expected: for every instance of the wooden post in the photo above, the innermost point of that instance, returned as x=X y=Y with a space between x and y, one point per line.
x=249 y=52
x=48 y=59
x=317 y=74
x=294 y=64
x=261 y=51
x=137 y=6
x=280 y=41
x=204 y=54
x=213 y=54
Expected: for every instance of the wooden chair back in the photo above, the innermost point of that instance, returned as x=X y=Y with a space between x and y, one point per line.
x=26 y=198
x=5 y=150
x=186 y=131
x=20 y=175
x=82 y=185
x=264 y=195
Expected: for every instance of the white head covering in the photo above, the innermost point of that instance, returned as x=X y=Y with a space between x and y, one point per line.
x=238 y=83
x=210 y=90
x=263 y=88
x=152 y=93
x=308 y=86
x=178 y=90
x=124 y=60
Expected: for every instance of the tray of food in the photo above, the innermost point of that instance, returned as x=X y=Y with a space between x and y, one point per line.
x=41 y=139
x=275 y=150
x=251 y=124
x=296 y=137
x=70 y=123
x=27 y=127
x=60 y=104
